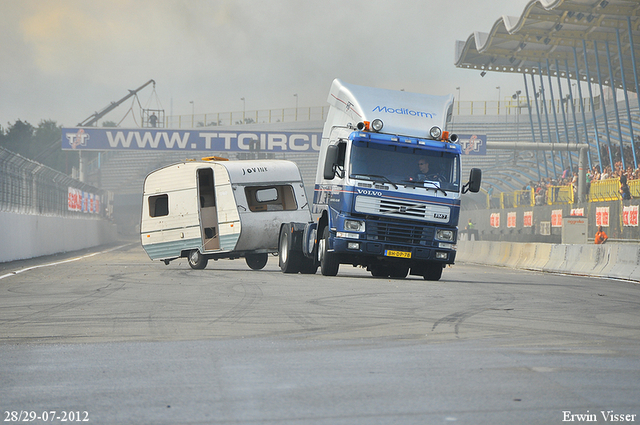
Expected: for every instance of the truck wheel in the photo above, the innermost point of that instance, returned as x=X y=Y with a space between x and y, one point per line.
x=379 y=271
x=399 y=272
x=328 y=262
x=309 y=266
x=196 y=260
x=288 y=259
x=432 y=272
x=256 y=261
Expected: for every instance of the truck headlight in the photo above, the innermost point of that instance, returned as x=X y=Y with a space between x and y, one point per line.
x=444 y=235
x=435 y=132
x=354 y=225
x=377 y=124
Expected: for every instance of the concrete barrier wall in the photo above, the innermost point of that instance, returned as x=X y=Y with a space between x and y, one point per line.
x=26 y=236
x=611 y=260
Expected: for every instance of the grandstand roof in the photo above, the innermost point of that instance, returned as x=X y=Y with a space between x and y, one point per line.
x=550 y=30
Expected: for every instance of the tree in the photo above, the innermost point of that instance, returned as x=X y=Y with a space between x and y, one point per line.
x=41 y=144
x=19 y=138
x=48 y=139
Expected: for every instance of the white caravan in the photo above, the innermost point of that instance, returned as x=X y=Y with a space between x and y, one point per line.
x=214 y=208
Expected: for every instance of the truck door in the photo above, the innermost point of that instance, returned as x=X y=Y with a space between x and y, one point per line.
x=208 y=211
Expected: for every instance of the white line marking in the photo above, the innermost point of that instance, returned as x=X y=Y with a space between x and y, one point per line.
x=59 y=262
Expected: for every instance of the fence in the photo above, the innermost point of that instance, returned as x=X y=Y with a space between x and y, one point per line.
x=268 y=116
x=27 y=187
x=600 y=190
x=319 y=113
x=510 y=106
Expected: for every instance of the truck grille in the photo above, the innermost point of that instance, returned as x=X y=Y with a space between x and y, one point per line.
x=399 y=232
x=402 y=209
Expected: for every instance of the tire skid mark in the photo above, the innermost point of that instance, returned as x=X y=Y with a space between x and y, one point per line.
x=501 y=299
x=457 y=319
x=302 y=320
x=250 y=294
x=43 y=314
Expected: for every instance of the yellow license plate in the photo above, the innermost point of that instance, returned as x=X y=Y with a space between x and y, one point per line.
x=401 y=254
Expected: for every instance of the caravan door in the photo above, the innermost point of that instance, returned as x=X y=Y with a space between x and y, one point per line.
x=208 y=211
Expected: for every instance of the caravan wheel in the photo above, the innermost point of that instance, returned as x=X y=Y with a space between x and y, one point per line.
x=196 y=260
x=256 y=261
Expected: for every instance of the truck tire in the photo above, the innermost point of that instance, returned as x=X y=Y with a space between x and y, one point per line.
x=196 y=260
x=256 y=261
x=309 y=266
x=289 y=260
x=328 y=262
x=399 y=272
x=432 y=272
x=379 y=271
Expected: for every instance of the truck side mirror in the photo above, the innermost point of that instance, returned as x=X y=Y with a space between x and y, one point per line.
x=475 y=178
x=330 y=162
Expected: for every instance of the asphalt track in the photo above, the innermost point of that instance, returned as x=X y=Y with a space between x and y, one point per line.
x=116 y=338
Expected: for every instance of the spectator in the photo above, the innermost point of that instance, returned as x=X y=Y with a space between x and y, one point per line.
x=601 y=236
x=624 y=187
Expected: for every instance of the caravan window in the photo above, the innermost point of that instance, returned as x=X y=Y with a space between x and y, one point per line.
x=271 y=198
x=267 y=195
x=158 y=205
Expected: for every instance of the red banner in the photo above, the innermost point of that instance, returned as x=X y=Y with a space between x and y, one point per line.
x=556 y=218
x=80 y=201
x=511 y=219
x=602 y=216
x=494 y=220
x=528 y=219
x=630 y=215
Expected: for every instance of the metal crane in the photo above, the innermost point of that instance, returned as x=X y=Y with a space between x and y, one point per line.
x=92 y=119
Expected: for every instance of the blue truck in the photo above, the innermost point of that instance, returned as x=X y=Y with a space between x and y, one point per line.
x=387 y=190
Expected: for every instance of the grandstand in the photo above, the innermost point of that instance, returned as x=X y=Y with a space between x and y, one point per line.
x=511 y=170
x=582 y=48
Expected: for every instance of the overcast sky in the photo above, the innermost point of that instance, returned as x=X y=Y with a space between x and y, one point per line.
x=65 y=59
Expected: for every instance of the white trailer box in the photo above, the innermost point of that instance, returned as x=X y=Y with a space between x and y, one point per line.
x=206 y=209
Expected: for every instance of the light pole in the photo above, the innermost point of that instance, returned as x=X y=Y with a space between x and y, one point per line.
x=244 y=108
x=458 y=88
x=296 y=96
x=516 y=96
x=193 y=112
x=498 y=88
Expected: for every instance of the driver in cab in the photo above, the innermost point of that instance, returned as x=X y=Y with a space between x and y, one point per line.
x=424 y=174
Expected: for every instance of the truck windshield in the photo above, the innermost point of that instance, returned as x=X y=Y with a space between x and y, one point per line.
x=400 y=165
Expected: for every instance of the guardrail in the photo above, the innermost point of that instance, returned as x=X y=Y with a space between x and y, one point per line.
x=610 y=260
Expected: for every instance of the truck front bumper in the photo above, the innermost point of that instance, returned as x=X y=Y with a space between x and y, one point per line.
x=393 y=252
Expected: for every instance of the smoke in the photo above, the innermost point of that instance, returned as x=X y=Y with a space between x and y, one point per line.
x=69 y=58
